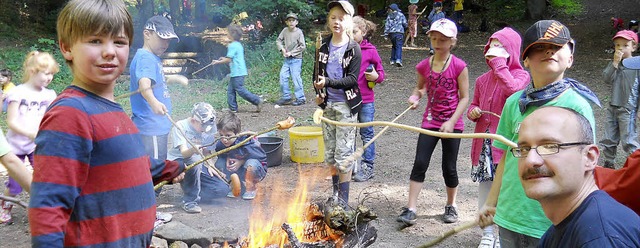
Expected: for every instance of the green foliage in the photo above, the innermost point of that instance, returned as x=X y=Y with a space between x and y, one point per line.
x=569 y=7
x=271 y=13
x=506 y=10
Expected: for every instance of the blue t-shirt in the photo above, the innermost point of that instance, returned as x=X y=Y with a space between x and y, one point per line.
x=235 y=52
x=600 y=221
x=147 y=65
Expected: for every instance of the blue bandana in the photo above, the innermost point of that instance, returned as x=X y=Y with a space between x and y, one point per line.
x=538 y=97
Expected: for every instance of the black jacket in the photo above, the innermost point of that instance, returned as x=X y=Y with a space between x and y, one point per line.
x=351 y=70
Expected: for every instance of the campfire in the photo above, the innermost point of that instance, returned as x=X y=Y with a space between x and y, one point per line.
x=292 y=220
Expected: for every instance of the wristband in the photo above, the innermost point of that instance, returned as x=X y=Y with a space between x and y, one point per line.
x=414 y=98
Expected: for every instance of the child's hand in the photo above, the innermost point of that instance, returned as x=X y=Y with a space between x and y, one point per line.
x=320 y=83
x=371 y=76
x=158 y=108
x=414 y=101
x=178 y=178
x=617 y=57
x=233 y=164
x=447 y=126
x=320 y=99
x=475 y=113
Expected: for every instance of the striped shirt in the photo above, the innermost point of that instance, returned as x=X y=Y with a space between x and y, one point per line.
x=94 y=186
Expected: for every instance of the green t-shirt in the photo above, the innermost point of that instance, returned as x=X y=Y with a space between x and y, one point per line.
x=515 y=211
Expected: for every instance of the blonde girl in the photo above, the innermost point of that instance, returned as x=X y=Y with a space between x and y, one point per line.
x=444 y=80
x=337 y=84
x=27 y=104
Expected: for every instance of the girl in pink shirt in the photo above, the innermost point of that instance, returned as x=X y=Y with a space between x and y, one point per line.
x=505 y=77
x=444 y=81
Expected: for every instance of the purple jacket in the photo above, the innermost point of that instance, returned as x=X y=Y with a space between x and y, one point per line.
x=369 y=56
x=505 y=77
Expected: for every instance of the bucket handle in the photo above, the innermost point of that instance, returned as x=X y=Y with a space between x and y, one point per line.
x=275 y=149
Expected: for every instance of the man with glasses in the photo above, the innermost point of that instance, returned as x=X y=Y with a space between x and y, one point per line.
x=548 y=53
x=556 y=162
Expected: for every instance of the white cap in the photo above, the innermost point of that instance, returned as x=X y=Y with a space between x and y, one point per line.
x=445 y=27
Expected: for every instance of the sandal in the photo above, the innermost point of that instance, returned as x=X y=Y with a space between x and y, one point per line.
x=5 y=214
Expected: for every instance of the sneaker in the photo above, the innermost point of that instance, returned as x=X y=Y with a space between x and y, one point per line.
x=283 y=101
x=487 y=241
x=162 y=218
x=230 y=195
x=392 y=63
x=450 y=214
x=407 y=217
x=364 y=173
x=299 y=102
x=191 y=207
x=249 y=195
x=399 y=64
x=259 y=106
x=497 y=243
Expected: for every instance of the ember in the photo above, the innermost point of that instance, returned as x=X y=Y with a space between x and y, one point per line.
x=304 y=224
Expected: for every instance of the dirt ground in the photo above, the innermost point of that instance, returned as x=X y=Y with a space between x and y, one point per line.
x=387 y=192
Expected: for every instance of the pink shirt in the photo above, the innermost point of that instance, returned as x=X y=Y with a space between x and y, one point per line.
x=442 y=92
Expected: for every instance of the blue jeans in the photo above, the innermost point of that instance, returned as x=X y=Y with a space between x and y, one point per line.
x=291 y=67
x=367 y=133
x=396 y=46
x=620 y=127
x=198 y=185
x=156 y=146
x=509 y=239
x=252 y=171
x=236 y=85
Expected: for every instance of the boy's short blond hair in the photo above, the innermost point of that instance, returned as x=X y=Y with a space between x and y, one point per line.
x=82 y=18
x=235 y=32
x=36 y=62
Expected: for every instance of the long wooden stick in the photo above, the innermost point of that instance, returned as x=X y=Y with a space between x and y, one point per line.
x=14 y=200
x=449 y=233
x=317 y=118
x=490 y=113
x=201 y=69
x=358 y=153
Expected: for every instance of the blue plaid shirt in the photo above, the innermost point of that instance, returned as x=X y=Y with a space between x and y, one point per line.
x=395 y=23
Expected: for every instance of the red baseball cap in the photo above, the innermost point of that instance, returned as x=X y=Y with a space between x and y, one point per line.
x=627 y=34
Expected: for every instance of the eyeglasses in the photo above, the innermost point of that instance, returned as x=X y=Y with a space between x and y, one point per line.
x=542 y=150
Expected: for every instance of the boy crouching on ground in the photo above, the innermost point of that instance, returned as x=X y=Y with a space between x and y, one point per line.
x=95 y=187
x=199 y=182
x=249 y=161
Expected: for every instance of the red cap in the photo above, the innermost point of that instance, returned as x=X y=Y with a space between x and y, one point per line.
x=627 y=34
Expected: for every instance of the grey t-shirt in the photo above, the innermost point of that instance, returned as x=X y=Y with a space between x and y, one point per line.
x=197 y=138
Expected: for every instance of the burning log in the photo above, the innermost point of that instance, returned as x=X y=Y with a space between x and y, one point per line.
x=333 y=224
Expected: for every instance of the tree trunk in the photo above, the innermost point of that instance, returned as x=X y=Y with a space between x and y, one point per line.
x=174 y=9
x=536 y=9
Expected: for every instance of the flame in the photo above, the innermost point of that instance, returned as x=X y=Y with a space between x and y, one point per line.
x=266 y=219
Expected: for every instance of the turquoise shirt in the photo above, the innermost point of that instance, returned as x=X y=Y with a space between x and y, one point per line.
x=515 y=211
x=235 y=52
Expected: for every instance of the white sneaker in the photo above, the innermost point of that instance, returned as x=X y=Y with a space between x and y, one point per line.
x=487 y=241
